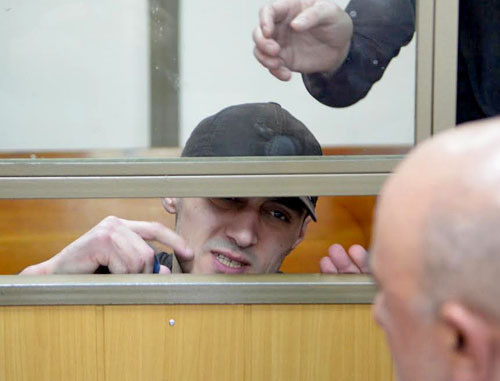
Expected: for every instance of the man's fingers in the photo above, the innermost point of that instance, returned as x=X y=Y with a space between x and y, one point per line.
x=164 y=270
x=306 y=19
x=275 y=13
x=342 y=261
x=266 y=61
x=283 y=9
x=132 y=250
x=320 y=13
x=267 y=46
x=158 y=232
x=326 y=266
x=266 y=16
x=281 y=73
x=360 y=257
x=117 y=265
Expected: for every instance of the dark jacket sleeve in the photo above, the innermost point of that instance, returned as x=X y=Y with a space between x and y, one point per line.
x=164 y=259
x=381 y=28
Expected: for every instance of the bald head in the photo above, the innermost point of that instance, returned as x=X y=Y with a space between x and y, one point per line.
x=442 y=206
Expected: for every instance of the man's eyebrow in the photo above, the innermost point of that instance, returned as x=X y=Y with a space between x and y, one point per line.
x=293 y=203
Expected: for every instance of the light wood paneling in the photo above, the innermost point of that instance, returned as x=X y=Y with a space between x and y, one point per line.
x=316 y=342
x=51 y=343
x=207 y=342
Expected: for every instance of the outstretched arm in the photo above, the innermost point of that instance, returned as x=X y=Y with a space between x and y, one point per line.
x=341 y=53
x=116 y=243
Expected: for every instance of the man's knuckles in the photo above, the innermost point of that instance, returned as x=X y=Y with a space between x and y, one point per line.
x=111 y=222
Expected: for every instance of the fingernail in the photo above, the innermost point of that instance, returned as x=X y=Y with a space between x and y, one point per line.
x=299 y=21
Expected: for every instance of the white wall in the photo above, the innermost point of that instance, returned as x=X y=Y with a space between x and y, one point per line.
x=74 y=74
x=218 y=69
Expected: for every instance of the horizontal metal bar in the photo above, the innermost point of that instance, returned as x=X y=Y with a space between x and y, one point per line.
x=185 y=289
x=191 y=186
x=197 y=166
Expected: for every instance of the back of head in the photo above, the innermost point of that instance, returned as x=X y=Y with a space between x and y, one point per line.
x=455 y=180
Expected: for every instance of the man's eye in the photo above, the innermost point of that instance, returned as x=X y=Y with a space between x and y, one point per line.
x=228 y=199
x=280 y=215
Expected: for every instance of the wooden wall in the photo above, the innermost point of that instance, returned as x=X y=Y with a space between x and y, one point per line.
x=207 y=342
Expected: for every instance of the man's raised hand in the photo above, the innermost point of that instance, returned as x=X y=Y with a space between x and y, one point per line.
x=116 y=243
x=340 y=261
x=305 y=36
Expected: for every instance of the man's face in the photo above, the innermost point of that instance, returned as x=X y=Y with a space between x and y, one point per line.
x=415 y=337
x=238 y=235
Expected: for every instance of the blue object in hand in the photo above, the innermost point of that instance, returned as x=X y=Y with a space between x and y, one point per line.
x=156 y=265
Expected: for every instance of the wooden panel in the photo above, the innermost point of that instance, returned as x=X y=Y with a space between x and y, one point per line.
x=50 y=343
x=207 y=342
x=316 y=342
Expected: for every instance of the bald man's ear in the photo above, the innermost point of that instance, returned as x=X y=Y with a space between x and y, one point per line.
x=470 y=343
x=170 y=204
x=302 y=232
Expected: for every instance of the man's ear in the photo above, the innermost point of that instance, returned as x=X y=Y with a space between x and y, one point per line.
x=470 y=343
x=170 y=204
x=302 y=232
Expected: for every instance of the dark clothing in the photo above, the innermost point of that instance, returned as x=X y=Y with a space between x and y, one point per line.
x=377 y=38
x=381 y=28
x=478 y=81
x=165 y=259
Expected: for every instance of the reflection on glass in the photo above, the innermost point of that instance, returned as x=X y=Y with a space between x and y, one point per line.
x=105 y=81
x=224 y=235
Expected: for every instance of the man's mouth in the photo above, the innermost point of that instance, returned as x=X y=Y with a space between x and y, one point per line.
x=228 y=261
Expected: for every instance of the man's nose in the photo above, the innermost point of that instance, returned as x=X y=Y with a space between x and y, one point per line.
x=242 y=230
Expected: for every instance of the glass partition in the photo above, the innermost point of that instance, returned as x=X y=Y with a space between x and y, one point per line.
x=100 y=80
